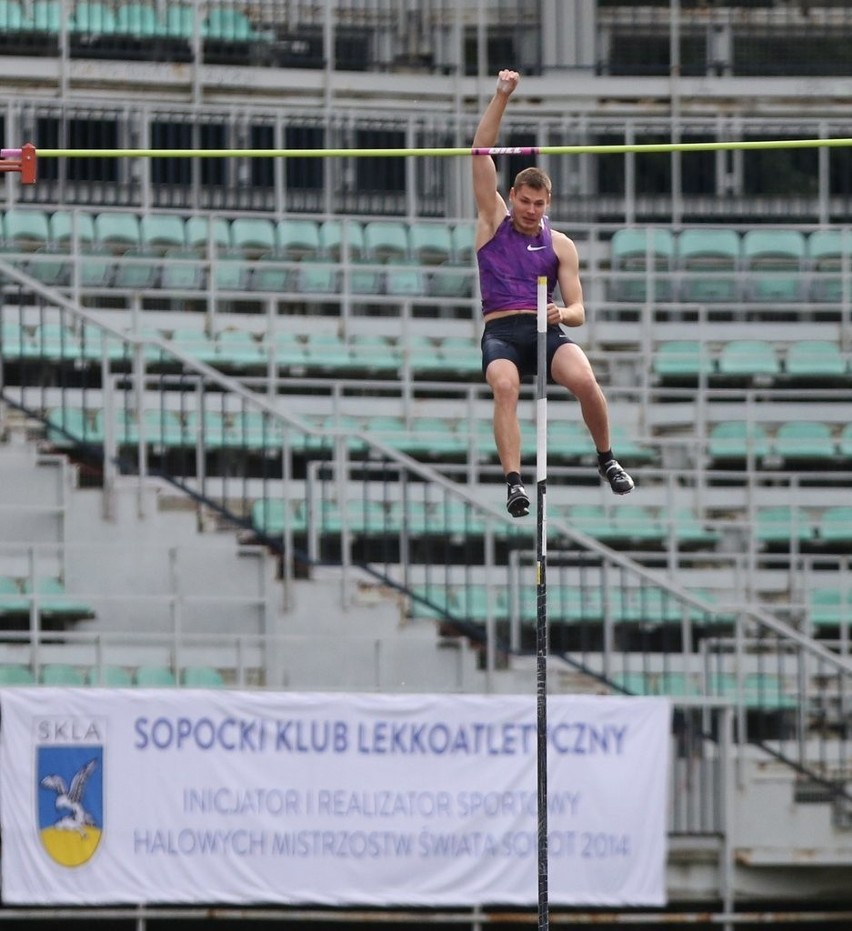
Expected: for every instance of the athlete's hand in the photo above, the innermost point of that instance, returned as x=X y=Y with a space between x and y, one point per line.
x=554 y=314
x=507 y=81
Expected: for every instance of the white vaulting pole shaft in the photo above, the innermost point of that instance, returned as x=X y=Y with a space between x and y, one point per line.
x=541 y=602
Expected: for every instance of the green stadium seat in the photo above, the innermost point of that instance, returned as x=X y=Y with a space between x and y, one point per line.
x=815 y=360
x=826 y=251
x=12 y=600
x=737 y=440
x=61 y=674
x=460 y=356
x=93 y=17
x=161 y=232
x=774 y=261
x=238 y=349
x=180 y=20
x=12 y=18
x=194 y=342
x=56 y=342
x=255 y=430
x=834 y=527
x=181 y=270
x=69 y=425
x=25 y=228
x=118 y=231
x=365 y=280
x=154 y=677
x=253 y=236
x=430 y=243
x=805 y=442
x=268 y=515
x=298 y=238
x=376 y=353
x=318 y=279
x=635 y=683
x=690 y=532
x=405 y=281
x=230 y=25
x=15 y=674
x=844 y=443
x=648 y=604
x=137 y=19
x=640 y=251
x=636 y=525
x=338 y=237
x=111 y=677
x=683 y=361
x=677 y=685
x=200 y=234
x=328 y=352
x=231 y=273
x=450 y=280
x=745 y=359
x=66 y=224
x=708 y=260
x=386 y=241
x=201 y=677
x=54 y=601
x=270 y=274
x=781 y=525
x=46 y=16
x=50 y=267
x=437 y=437
x=464 y=237
x=138 y=269
x=830 y=607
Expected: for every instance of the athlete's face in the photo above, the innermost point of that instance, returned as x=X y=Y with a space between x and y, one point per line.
x=529 y=205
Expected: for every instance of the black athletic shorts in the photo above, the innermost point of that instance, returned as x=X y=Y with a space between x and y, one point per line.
x=516 y=338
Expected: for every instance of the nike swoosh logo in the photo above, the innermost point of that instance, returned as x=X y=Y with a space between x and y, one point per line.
x=535 y=248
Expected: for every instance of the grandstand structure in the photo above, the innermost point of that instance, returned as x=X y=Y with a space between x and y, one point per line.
x=246 y=439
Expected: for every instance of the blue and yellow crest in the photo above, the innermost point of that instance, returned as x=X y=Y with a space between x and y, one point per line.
x=70 y=801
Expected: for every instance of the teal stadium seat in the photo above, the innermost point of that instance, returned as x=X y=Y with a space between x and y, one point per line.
x=464 y=234
x=231 y=25
x=735 y=442
x=67 y=226
x=155 y=677
x=683 y=361
x=201 y=677
x=817 y=360
x=54 y=601
x=200 y=234
x=111 y=677
x=12 y=18
x=844 y=442
x=92 y=17
x=46 y=16
x=161 y=232
x=25 y=229
x=430 y=243
x=137 y=19
x=180 y=21
x=298 y=238
x=834 y=527
x=708 y=260
x=830 y=607
x=62 y=674
x=636 y=255
x=805 y=443
x=253 y=236
x=118 y=231
x=827 y=250
x=386 y=241
x=15 y=674
x=404 y=281
x=181 y=270
x=743 y=360
x=342 y=236
x=774 y=262
x=780 y=525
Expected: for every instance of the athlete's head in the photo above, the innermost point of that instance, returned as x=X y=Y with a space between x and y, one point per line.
x=529 y=197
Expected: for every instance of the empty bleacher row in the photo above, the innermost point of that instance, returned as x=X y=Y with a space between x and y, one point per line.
x=148 y=676
x=712 y=265
x=170 y=252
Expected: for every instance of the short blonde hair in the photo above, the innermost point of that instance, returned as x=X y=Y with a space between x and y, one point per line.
x=534 y=178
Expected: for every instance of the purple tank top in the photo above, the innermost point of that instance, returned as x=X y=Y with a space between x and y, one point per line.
x=510 y=264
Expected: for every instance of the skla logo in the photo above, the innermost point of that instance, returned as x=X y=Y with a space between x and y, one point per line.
x=70 y=788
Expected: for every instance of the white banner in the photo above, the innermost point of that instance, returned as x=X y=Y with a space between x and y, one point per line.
x=185 y=796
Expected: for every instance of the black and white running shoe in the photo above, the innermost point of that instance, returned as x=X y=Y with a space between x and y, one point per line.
x=619 y=481
x=517 y=502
